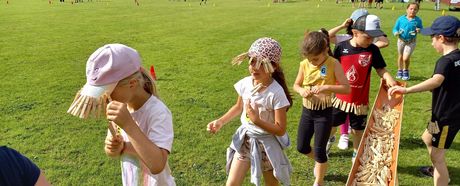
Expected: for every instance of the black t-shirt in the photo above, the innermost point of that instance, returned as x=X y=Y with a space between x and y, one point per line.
x=16 y=169
x=446 y=98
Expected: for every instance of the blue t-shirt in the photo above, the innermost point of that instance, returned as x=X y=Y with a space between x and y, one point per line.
x=407 y=28
x=16 y=169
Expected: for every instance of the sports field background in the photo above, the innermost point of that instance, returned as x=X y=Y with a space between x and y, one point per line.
x=43 y=52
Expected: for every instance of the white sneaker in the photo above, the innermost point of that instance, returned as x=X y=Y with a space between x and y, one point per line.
x=329 y=144
x=343 y=142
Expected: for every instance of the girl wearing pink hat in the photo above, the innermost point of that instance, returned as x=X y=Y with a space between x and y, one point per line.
x=118 y=86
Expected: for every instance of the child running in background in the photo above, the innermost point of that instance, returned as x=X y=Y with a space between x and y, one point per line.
x=357 y=56
x=146 y=130
x=320 y=75
x=406 y=29
x=263 y=100
x=381 y=42
x=445 y=86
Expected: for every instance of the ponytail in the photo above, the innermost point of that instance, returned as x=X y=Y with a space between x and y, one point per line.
x=328 y=41
x=149 y=84
x=278 y=75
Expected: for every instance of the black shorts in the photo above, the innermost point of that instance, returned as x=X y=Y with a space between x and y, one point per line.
x=446 y=136
x=379 y=1
x=357 y=122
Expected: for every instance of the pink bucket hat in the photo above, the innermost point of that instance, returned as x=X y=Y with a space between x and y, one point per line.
x=104 y=68
x=265 y=50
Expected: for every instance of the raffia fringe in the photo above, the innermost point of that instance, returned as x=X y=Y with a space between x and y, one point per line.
x=317 y=104
x=86 y=106
x=350 y=107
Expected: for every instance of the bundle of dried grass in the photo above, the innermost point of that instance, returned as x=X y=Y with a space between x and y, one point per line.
x=84 y=106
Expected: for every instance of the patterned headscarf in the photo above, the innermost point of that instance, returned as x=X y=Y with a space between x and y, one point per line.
x=265 y=50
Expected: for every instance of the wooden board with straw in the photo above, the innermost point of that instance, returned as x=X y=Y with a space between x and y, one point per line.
x=377 y=157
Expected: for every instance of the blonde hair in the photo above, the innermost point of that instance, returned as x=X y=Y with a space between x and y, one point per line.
x=145 y=79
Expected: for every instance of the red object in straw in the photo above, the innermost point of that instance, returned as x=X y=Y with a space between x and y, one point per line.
x=152 y=73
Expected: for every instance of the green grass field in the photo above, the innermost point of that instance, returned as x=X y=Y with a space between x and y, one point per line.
x=43 y=52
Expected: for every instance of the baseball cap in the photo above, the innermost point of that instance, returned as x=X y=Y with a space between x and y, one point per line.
x=370 y=24
x=108 y=65
x=358 y=13
x=444 y=25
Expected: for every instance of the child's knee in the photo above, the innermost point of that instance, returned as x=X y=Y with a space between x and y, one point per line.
x=320 y=155
x=304 y=149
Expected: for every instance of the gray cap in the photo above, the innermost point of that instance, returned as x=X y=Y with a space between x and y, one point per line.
x=358 y=13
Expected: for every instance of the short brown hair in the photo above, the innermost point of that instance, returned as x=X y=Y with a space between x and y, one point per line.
x=314 y=43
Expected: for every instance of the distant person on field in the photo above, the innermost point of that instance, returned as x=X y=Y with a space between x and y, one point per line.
x=406 y=29
x=380 y=41
x=262 y=102
x=357 y=57
x=320 y=76
x=145 y=135
x=445 y=86
x=362 y=3
x=379 y=4
x=18 y=170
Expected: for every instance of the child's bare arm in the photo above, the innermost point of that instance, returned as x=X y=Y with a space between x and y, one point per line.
x=278 y=128
x=332 y=32
x=234 y=111
x=427 y=85
x=113 y=146
x=151 y=155
x=298 y=84
x=382 y=42
x=343 y=86
x=383 y=73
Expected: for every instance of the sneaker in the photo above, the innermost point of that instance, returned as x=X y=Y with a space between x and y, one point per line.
x=427 y=171
x=399 y=74
x=329 y=145
x=405 y=75
x=314 y=172
x=343 y=142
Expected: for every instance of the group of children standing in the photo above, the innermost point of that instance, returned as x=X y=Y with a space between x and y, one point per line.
x=334 y=86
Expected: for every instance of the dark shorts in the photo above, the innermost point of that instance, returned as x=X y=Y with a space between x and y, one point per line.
x=379 y=1
x=314 y=124
x=446 y=136
x=357 y=122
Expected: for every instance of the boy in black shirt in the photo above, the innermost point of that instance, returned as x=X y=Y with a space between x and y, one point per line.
x=445 y=85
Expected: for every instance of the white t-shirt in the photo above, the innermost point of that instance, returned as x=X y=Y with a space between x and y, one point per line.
x=342 y=37
x=155 y=121
x=267 y=101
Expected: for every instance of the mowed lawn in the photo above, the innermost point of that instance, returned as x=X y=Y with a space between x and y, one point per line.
x=43 y=52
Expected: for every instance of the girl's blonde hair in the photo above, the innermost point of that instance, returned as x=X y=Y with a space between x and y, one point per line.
x=145 y=79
